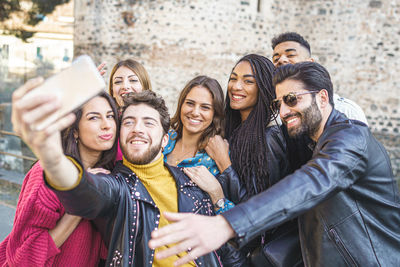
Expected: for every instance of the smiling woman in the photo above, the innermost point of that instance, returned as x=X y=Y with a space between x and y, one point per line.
x=128 y=76
x=198 y=117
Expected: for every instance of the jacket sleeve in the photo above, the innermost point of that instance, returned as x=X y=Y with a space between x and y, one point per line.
x=338 y=161
x=231 y=186
x=232 y=257
x=95 y=195
x=38 y=210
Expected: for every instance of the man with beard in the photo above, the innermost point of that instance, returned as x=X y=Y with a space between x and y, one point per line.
x=345 y=197
x=292 y=48
x=127 y=204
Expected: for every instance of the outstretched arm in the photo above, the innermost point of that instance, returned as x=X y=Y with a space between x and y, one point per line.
x=27 y=110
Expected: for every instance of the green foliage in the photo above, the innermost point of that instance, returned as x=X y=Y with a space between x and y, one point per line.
x=39 y=9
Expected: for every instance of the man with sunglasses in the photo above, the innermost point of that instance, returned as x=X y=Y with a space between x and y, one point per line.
x=345 y=197
x=292 y=48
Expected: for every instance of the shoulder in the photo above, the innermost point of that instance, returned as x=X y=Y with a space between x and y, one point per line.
x=350 y=108
x=171 y=142
x=347 y=134
x=274 y=137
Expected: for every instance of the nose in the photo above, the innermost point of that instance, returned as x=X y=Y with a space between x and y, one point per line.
x=283 y=60
x=284 y=110
x=125 y=84
x=237 y=85
x=196 y=110
x=138 y=127
x=106 y=124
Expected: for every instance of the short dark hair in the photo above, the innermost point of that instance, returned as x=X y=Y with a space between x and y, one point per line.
x=290 y=36
x=313 y=75
x=217 y=124
x=70 y=146
x=151 y=99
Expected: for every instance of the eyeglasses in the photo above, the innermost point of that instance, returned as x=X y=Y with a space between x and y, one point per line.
x=289 y=99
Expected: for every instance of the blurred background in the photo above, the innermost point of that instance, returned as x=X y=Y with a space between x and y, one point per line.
x=357 y=41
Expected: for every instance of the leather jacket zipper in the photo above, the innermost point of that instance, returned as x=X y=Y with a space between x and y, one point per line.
x=339 y=244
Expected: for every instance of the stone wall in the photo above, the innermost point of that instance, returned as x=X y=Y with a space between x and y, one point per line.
x=358 y=41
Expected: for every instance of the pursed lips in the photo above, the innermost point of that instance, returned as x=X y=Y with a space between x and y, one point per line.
x=106 y=137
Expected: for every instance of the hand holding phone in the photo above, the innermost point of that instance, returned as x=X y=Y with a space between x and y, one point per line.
x=73 y=86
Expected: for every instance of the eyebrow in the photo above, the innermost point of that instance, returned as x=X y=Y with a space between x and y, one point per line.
x=246 y=75
x=144 y=118
x=97 y=113
x=287 y=50
x=204 y=103
x=133 y=75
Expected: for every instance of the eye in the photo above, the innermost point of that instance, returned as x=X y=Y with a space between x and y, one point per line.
x=149 y=123
x=232 y=79
x=110 y=116
x=127 y=122
x=275 y=59
x=133 y=80
x=117 y=82
x=93 y=118
x=206 y=107
x=189 y=103
x=249 y=81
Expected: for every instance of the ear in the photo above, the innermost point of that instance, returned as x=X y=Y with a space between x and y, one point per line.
x=311 y=59
x=76 y=135
x=164 y=141
x=323 y=99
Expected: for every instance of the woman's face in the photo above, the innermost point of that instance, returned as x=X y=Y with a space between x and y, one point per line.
x=97 y=127
x=243 y=89
x=125 y=81
x=197 y=110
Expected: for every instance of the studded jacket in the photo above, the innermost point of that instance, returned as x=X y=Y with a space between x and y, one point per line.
x=124 y=212
x=345 y=197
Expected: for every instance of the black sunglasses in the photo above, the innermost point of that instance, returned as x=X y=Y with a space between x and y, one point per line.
x=289 y=99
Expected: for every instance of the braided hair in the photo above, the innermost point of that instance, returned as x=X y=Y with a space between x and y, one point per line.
x=247 y=139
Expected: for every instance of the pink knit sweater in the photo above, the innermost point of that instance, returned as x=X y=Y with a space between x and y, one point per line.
x=29 y=243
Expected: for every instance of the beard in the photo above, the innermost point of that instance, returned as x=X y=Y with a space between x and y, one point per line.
x=310 y=117
x=145 y=157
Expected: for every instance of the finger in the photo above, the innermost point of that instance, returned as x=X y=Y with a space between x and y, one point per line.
x=175 y=250
x=28 y=86
x=190 y=256
x=60 y=124
x=172 y=217
x=41 y=112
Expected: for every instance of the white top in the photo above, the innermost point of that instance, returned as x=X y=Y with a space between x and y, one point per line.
x=349 y=108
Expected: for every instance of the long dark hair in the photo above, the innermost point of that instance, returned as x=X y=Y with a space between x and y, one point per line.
x=70 y=145
x=247 y=139
x=216 y=126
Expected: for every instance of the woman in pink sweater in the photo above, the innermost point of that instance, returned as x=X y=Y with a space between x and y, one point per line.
x=43 y=234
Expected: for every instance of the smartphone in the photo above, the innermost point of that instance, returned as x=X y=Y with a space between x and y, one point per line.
x=74 y=86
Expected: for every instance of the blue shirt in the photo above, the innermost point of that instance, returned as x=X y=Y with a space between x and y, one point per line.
x=201 y=157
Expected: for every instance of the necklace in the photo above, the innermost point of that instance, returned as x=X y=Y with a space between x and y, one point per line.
x=179 y=158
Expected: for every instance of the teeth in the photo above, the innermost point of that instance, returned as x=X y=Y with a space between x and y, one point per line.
x=291 y=120
x=137 y=142
x=194 y=121
x=237 y=97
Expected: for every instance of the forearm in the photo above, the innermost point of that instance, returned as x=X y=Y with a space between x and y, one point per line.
x=64 y=174
x=64 y=228
x=223 y=163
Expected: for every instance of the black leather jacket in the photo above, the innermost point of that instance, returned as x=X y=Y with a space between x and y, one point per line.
x=345 y=197
x=124 y=212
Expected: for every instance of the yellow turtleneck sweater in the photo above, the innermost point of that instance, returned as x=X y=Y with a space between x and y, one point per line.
x=162 y=188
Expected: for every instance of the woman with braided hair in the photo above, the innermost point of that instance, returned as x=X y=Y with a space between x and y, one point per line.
x=258 y=155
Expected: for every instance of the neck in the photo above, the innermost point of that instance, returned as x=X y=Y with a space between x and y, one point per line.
x=188 y=142
x=244 y=114
x=325 y=116
x=89 y=158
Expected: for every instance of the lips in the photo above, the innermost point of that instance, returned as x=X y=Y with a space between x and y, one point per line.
x=237 y=97
x=291 y=120
x=106 y=137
